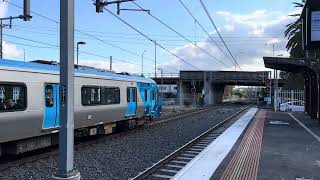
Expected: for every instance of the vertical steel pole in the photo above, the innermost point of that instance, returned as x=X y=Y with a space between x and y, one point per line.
x=110 y=63
x=66 y=130
x=270 y=92
x=161 y=83
x=142 y=62
x=277 y=88
x=155 y=59
x=1 y=48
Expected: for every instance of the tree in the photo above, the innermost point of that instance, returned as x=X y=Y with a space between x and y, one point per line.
x=294 y=35
x=294 y=46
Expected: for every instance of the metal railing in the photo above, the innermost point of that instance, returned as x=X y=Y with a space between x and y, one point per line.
x=290 y=100
x=164 y=75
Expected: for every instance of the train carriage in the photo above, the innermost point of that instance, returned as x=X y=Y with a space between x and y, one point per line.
x=30 y=102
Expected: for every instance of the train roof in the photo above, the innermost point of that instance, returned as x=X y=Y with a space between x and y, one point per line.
x=56 y=68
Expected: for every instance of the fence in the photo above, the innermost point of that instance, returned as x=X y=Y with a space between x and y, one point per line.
x=290 y=100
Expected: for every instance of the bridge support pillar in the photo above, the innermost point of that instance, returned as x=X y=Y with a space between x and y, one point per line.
x=213 y=93
x=207 y=81
x=218 y=90
x=180 y=93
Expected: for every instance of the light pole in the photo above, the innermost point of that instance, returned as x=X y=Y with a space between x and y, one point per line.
x=142 y=62
x=79 y=43
x=238 y=57
x=161 y=70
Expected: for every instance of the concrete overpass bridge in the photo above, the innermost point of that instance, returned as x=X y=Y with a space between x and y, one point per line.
x=210 y=85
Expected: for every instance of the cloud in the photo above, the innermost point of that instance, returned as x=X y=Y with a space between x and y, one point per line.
x=3 y=8
x=258 y=20
x=249 y=37
x=10 y=51
x=116 y=66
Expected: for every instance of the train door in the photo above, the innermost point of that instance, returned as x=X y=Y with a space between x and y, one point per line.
x=153 y=100
x=51 y=106
x=132 y=101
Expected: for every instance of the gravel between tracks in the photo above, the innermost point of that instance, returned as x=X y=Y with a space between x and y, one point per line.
x=124 y=156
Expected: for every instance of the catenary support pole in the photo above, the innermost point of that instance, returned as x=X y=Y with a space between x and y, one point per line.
x=66 y=130
x=155 y=59
x=110 y=63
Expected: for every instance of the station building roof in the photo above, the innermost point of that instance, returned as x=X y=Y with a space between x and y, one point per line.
x=31 y=66
x=285 y=64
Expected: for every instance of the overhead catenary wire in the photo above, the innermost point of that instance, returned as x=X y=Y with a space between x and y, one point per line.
x=144 y=35
x=196 y=20
x=88 y=35
x=185 y=38
x=167 y=44
x=51 y=46
x=103 y=33
x=131 y=42
x=138 y=39
x=217 y=30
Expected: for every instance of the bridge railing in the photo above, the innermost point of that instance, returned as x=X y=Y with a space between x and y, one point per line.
x=164 y=75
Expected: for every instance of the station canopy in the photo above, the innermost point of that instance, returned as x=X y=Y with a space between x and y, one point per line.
x=285 y=64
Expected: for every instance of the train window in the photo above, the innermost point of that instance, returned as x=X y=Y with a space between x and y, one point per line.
x=134 y=92
x=112 y=95
x=152 y=95
x=49 y=96
x=145 y=95
x=128 y=95
x=13 y=97
x=155 y=95
x=91 y=96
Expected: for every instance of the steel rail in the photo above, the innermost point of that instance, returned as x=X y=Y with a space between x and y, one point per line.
x=148 y=172
x=52 y=151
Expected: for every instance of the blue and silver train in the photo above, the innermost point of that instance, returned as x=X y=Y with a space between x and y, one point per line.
x=104 y=101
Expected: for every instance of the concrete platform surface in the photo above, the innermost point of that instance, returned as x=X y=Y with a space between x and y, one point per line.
x=288 y=150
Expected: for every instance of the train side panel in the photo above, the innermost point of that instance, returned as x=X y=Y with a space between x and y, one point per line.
x=30 y=122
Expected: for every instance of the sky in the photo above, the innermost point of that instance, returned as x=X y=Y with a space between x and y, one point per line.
x=250 y=28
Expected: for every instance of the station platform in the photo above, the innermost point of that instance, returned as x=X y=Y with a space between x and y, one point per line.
x=272 y=146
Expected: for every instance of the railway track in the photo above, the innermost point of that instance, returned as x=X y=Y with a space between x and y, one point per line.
x=53 y=151
x=173 y=163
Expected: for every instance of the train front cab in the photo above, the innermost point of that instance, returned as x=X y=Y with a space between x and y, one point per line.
x=151 y=99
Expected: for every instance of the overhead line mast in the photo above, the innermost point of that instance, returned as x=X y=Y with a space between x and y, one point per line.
x=141 y=33
x=26 y=17
x=88 y=35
